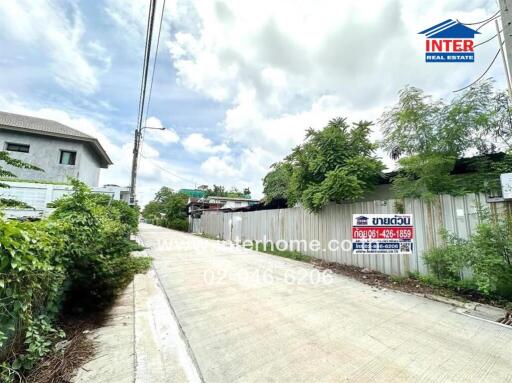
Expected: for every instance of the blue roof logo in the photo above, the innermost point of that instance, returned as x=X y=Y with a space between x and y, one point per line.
x=362 y=220
x=449 y=41
x=449 y=29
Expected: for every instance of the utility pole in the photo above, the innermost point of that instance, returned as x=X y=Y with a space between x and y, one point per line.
x=142 y=102
x=506 y=22
x=502 y=51
x=135 y=162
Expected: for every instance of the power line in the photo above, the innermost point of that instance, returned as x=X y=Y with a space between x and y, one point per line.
x=155 y=58
x=153 y=73
x=487 y=22
x=489 y=39
x=483 y=21
x=189 y=181
x=482 y=75
x=145 y=65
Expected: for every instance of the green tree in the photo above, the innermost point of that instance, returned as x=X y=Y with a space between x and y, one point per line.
x=221 y=191
x=427 y=136
x=276 y=182
x=337 y=163
x=168 y=209
x=6 y=174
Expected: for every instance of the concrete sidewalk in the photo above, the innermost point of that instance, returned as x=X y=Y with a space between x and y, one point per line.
x=141 y=341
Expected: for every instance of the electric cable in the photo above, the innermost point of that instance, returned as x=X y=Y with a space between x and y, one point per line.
x=486 y=41
x=482 y=75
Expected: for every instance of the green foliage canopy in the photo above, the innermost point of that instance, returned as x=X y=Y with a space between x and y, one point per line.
x=168 y=209
x=427 y=136
x=337 y=163
x=221 y=191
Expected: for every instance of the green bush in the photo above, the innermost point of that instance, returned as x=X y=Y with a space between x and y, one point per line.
x=31 y=280
x=168 y=209
x=98 y=257
x=79 y=258
x=180 y=224
x=488 y=254
x=491 y=255
x=447 y=261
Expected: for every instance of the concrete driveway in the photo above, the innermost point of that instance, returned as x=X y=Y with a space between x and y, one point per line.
x=252 y=317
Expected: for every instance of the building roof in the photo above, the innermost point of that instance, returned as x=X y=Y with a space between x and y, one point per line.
x=44 y=127
x=193 y=193
x=449 y=29
x=242 y=199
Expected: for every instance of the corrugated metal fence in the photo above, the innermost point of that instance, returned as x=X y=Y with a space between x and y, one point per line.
x=457 y=214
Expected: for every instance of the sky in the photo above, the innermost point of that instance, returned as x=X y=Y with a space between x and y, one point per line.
x=236 y=83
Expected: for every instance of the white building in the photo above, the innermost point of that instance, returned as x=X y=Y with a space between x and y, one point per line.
x=60 y=151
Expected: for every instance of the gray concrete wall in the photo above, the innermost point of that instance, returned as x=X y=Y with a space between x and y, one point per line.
x=89 y=166
x=45 y=153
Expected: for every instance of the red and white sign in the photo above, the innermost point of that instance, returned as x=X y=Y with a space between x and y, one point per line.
x=382 y=233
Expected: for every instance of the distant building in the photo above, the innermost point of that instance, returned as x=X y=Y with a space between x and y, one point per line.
x=59 y=150
x=197 y=205
x=193 y=193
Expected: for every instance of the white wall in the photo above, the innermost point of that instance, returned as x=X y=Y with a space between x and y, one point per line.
x=45 y=153
x=38 y=195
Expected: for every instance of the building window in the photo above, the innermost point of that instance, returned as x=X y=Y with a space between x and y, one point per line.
x=17 y=147
x=67 y=157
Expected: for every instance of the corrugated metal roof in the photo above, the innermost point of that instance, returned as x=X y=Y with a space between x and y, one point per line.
x=52 y=128
x=195 y=193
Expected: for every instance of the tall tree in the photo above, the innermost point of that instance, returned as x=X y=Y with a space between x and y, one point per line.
x=168 y=209
x=337 y=163
x=220 y=191
x=427 y=136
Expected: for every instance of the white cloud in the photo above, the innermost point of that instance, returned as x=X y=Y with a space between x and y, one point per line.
x=282 y=67
x=154 y=172
x=218 y=168
x=197 y=143
x=57 y=30
x=165 y=137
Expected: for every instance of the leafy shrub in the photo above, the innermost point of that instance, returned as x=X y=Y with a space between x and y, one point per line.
x=488 y=253
x=447 y=261
x=177 y=224
x=97 y=257
x=491 y=255
x=31 y=279
x=79 y=258
x=168 y=209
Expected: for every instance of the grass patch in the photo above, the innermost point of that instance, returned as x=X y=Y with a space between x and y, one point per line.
x=207 y=236
x=398 y=279
x=269 y=249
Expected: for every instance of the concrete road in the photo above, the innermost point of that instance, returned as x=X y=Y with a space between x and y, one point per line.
x=252 y=317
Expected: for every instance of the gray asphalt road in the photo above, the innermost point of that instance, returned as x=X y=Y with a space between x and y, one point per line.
x=252 y=317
